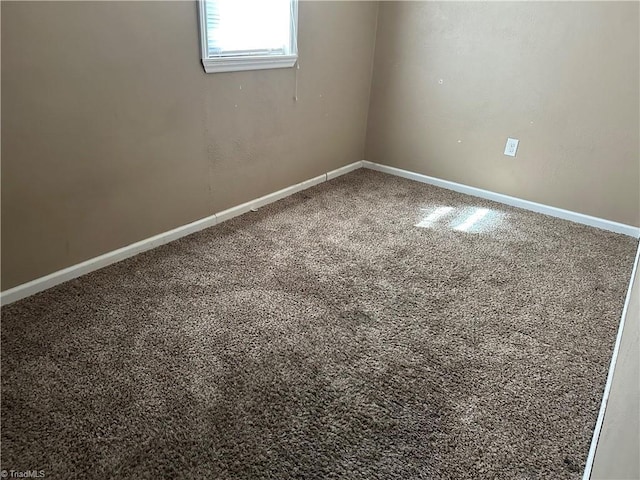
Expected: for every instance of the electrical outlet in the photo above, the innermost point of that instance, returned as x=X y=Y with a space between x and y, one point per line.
x=511 y=147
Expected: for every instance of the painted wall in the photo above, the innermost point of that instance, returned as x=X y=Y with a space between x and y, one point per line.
x=619 y=442
x=453 y=80
x=112 y=132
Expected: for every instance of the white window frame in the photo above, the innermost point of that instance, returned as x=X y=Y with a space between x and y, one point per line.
x=247 y=62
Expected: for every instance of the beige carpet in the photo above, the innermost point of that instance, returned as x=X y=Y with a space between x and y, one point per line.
x=367 y=328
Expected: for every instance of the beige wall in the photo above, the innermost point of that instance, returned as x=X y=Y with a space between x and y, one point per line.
x=560 y=76
x=619 y=442
x=112 y=132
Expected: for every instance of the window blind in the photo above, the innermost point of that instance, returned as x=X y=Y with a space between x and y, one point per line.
x=238 y=28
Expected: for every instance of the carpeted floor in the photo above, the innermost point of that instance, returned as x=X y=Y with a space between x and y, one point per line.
x=368 y=328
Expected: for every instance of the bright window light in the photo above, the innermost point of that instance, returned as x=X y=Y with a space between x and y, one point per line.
x=248 y=34
x=478 y=215
x=433 y=217
x=462 y=219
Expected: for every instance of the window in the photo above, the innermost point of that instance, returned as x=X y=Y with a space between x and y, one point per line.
x=248 y=34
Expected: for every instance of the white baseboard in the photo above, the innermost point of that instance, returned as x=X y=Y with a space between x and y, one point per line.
x=229 y=213
x=612 y=366
x=341 y=171
x=43 y=283
x=513 y=201
x=56 y=278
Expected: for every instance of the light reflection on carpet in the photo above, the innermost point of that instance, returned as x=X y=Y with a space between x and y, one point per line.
x=472 y=220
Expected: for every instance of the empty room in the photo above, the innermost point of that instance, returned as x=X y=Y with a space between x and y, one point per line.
x=278 y=239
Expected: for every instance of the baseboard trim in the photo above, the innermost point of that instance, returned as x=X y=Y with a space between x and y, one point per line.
x=513 y=201
x=612 y=367
x=229 y=213
x=346 y=169
x=56 y=278
x=43 y=283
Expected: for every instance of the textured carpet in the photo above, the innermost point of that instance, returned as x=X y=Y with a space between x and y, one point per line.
x=368 y=328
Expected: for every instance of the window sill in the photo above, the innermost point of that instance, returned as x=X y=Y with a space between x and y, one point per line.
x=235 y=64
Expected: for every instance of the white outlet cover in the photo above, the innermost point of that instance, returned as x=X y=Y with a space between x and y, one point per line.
x=512 y=147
